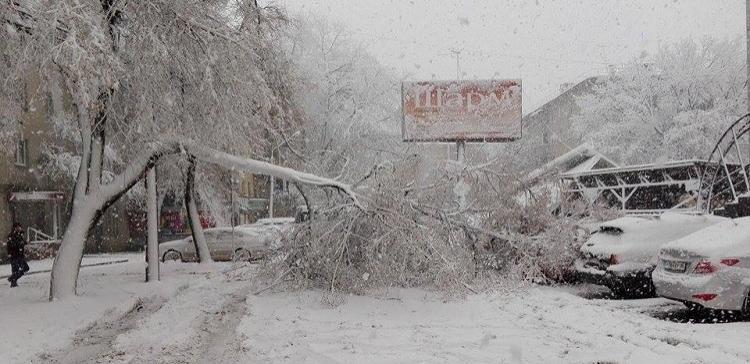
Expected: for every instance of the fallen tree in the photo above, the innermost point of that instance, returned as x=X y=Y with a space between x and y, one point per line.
x=89 y=205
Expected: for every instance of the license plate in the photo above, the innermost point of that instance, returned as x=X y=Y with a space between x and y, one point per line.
x=674 y=266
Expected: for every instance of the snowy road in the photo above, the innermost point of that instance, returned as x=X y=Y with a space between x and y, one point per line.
x=199 y=314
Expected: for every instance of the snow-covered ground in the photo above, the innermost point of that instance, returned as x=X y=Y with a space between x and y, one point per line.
x=204 y=314
x=537 y=325
x=30 y=325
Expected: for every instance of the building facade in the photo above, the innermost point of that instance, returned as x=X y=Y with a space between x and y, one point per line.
x=27 y=195
x=30 y=197
x=547 y=130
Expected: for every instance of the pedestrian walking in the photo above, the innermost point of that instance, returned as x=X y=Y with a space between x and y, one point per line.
x=16 y=245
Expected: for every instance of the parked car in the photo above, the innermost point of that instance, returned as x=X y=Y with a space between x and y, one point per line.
x=622 y=253
x=224 y=243
x=709 y=268
x=277 y=222
x=273 y=228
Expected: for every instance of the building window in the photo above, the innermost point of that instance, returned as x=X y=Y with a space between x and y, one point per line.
x=22 y=152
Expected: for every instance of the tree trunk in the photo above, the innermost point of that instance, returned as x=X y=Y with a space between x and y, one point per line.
x=87 y=208
x=152 y=247
x=68 y=260
x=194 y=220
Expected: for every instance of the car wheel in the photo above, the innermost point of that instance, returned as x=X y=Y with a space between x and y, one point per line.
x=746 y=305
x=242 y=255
x=172 y=255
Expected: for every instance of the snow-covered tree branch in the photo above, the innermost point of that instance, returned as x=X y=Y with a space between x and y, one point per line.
x=672 y=105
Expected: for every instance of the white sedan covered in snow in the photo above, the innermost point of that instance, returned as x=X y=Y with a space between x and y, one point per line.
x=622 y=253
x=280 y=224
x=224 y=243
x=709 y=268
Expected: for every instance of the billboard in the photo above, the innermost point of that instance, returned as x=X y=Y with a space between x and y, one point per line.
x=485 y=110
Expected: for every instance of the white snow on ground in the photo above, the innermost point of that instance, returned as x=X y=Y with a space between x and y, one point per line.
x=200 y=314
x=173 y=332
x=30 y=325
x=539 y=325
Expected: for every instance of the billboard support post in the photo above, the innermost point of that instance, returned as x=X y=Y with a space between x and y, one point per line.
x=460 y=150
x=460 y=111
x=462 y=188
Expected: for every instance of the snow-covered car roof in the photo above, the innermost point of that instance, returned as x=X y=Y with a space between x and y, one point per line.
x=643 y=236
x=275 y=221
x=728 y=238
x=668 y=223
x=244 y=229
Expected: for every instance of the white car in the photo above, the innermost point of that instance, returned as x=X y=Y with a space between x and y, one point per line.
x=275 y=221
x=709 y=268
x=622 y=253
x=275 y=227
x=278 y=223
x=224 y=243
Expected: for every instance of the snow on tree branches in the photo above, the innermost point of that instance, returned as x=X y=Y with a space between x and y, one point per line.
x=670 y=107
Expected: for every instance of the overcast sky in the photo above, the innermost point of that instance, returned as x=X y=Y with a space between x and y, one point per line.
x=543 y=42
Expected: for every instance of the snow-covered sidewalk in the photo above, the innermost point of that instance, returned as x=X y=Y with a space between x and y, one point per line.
x=45 y=265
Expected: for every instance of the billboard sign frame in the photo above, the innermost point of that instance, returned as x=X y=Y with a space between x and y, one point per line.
x=469 y=90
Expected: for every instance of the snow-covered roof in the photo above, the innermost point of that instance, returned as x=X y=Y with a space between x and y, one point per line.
x=587 y=165
x=582 y=151
x=637 y=168
x=584 y=84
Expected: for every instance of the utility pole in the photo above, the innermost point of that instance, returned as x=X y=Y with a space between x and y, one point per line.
x=152 y=227
x=457 y=53
x=272 y=182
x=461 y=189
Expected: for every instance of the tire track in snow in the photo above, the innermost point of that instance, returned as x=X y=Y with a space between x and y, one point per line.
x=95 y=343
x=197 y=326
x=220 y=341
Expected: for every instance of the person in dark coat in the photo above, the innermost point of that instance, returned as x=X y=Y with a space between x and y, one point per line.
x=16 y=243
